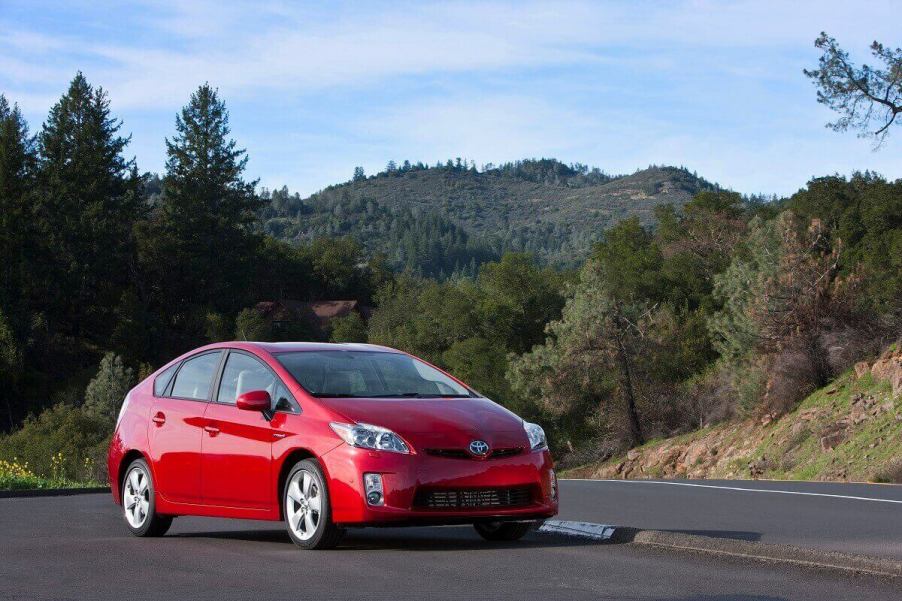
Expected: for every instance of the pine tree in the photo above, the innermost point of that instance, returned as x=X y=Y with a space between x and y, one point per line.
x=17 y=162
x=87 y=205
x=202 y=246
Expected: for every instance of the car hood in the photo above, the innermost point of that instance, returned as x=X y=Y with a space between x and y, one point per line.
x=437 y=423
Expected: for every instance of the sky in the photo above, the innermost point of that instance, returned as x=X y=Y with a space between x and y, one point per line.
x=315 y=89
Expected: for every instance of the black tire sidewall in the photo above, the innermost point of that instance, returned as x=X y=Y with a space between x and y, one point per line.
x=325 y=518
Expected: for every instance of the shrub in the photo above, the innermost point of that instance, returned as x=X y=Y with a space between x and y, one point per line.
x=348 y=328
x=62 y=443
x=105 y=392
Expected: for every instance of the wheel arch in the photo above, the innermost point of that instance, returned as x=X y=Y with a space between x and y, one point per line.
x=291 y=458
x=126 y=461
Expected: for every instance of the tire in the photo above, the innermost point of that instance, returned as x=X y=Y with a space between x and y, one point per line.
x=503 y=531
x=139 y=502
x=306 y=508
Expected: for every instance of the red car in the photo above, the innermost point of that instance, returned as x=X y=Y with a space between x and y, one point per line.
x=324 y=437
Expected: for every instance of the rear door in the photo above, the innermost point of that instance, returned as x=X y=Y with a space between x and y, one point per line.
x=177 y=420
x=237 y=444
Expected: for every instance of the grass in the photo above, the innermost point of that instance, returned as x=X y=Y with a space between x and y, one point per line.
x=17 y=476
x=790 y=448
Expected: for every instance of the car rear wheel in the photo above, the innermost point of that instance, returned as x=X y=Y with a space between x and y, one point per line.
x=306 y=507
x=503 y=531
x=138 y=503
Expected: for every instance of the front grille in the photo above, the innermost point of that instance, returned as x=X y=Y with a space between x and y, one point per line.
x=473 y=498
x=464 y=454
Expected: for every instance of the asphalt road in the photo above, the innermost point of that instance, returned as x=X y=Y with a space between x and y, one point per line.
x=76 y=548
x=819 y=515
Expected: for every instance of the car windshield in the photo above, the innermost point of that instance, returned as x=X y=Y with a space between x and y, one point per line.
x=369 y=374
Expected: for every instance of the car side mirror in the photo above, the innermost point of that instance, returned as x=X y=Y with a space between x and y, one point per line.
x=254 y=400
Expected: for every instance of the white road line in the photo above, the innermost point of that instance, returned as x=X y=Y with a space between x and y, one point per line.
x=582 y=529
x=738 y=488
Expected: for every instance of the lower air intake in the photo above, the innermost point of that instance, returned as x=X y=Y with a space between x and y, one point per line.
x=473 y=498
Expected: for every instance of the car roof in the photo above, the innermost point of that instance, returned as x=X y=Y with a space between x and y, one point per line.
x=285 y=347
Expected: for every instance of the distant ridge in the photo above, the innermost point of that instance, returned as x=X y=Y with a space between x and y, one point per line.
x=450 y=217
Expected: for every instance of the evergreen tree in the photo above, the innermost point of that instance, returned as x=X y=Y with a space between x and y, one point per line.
x=17 y=161
x=200 y=249
x=86 y=208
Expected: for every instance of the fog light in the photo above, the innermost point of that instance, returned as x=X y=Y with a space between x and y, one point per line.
x=553 y=479
x=372 y=484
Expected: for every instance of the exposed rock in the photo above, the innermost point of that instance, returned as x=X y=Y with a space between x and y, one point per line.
x=889 y=367
x=694 y=453
x=862 y=368
x=833 y=435
x=632 y=455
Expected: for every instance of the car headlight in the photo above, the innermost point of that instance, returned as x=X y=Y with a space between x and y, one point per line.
x=368 y=436
x=536 y=436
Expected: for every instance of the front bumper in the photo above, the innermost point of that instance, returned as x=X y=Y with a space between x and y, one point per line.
x=403 y=476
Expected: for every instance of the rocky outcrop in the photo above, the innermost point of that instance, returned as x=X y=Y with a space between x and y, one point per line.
x=889 y=367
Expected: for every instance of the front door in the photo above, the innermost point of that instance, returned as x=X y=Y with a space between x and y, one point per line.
x=177 y=419
x=237 y=444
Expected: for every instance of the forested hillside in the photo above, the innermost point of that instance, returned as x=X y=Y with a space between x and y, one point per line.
x=451 y=217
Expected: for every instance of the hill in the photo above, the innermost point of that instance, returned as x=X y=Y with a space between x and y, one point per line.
x=850 y=430
x=451 y=217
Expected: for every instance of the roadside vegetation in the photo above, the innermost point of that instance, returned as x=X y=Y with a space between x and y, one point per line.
x=849 y=430
x=679 y=318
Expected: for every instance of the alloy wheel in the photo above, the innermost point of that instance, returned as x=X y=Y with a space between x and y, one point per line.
x=303 y=504
x=136 y=497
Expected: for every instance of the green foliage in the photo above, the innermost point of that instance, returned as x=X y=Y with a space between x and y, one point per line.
x=63 y=442
x=350 y=328
x=867 y=98
x=251 y=325
x=104 y=394
x=733 y=329
x=864 y=215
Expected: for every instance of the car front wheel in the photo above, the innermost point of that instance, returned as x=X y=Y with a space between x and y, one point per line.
x=306 y=507
x=138 y=504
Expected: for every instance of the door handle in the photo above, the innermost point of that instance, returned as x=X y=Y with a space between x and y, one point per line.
x=159 y=419
x=211 y=430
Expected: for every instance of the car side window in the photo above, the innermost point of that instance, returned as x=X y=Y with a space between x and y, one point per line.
x=283 y=401
x=194 y=378
x=242 y=374
x=162 y=381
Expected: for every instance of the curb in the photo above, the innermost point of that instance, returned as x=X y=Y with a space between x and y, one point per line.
x=830 y=560
x=52 y=492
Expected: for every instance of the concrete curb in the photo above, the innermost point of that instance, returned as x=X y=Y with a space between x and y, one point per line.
x=807 y=557
x=52 y=492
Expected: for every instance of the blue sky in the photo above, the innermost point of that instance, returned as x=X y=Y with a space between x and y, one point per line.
x=316 y=89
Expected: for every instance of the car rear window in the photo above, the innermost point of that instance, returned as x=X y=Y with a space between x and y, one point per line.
x=162 y=380
x=195 y=376
x=370 y=374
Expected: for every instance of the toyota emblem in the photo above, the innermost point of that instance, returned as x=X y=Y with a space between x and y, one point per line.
x=479 y=447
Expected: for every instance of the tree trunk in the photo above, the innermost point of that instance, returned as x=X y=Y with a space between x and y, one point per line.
x=632 y=412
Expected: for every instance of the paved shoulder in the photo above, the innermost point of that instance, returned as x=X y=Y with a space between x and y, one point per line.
x=850 y=518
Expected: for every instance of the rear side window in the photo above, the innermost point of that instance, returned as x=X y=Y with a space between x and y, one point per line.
x=194 y=378
x=162 y=381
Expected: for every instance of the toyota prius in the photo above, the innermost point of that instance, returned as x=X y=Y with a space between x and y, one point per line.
x=324 y=437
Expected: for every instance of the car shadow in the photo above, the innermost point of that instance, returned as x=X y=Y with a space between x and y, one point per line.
x=446 y=538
